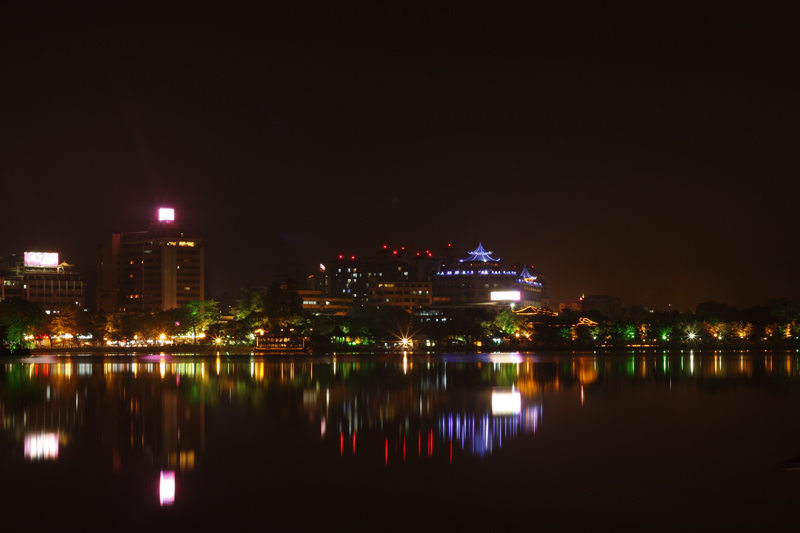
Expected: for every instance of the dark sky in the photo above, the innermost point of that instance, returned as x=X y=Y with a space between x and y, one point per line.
x=641 y=151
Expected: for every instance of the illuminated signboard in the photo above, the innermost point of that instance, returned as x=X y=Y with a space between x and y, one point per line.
x=166 y=214
x=512 y=296
x=41 y=259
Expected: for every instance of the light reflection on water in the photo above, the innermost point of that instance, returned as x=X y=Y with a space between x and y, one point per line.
x=176 y=423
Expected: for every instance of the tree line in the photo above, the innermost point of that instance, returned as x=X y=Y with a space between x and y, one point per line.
x=279 y=311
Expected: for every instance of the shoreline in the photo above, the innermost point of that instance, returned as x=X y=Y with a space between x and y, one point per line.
x=228 y=351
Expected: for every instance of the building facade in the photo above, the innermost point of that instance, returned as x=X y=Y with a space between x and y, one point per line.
x=153 y=270
x=406 y=295
x=479 y=279
x=40 y=278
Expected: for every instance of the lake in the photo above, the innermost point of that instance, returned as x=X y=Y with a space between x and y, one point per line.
x=623 y=441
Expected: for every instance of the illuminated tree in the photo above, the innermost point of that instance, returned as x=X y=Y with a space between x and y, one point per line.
x=718 y=330
x=250 y=306
x=65 y=323
x=508 y=323
x=199 y=315
x=20 y=318
x=742 y=329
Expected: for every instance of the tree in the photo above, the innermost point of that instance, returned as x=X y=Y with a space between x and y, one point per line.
x=199 y=315
x=65 y=323
x=508 y=322
x=282 y=302
x=250 y=306
x=20 y=318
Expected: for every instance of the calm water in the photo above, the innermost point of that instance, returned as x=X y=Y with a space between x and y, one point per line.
x=612 y=441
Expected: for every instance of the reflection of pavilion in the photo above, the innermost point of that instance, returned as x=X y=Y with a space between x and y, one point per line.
x=426 y=419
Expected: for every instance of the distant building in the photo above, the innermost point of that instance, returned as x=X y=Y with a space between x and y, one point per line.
x=352 y=278
x=406 y=295
x=572 y=306
x=604 y=304
x=39 y=277
x=413 y=281
x=157 y=269
x=479 y=279
x=316 y=303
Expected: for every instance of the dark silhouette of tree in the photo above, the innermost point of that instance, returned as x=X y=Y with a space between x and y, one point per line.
x=20 y=318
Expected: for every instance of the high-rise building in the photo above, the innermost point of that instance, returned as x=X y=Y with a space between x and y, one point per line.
x=157 y=269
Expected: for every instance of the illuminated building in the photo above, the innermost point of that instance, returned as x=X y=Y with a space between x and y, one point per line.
x=353 y=278
x=315 y=303
x=153 y=270
x=479 y=279
x=40 y=278
x=408 y=295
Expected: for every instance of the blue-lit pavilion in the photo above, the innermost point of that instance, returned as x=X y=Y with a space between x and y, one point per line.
x=479 y=279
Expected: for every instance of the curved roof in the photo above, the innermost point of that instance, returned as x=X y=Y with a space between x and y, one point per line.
x=479 y=254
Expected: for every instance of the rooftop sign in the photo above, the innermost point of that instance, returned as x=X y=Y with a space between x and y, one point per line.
x=166 y=214
x=41 y=259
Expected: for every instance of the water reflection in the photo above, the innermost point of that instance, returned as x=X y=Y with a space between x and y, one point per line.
x=155 y=413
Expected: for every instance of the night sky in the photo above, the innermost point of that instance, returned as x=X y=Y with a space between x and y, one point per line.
x=645 y=152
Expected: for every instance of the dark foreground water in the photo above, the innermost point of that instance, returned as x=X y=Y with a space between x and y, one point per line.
x=382 y=442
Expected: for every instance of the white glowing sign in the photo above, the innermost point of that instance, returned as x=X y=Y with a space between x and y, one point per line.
x=512 y=296
x=166 y=214
x=41 y=259
x=506 y=402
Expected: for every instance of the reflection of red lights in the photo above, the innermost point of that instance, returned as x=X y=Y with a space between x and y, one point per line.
x=404 y=448
x=341 y=444
x=419 y=444
x=430 y=443
x=451 y=451
x=354 y=443
x=386 y=452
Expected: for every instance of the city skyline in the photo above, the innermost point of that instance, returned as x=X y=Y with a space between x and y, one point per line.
x=644 y=153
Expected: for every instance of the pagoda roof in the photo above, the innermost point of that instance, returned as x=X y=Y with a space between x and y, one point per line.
x=479 y=254
x=525 y=274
